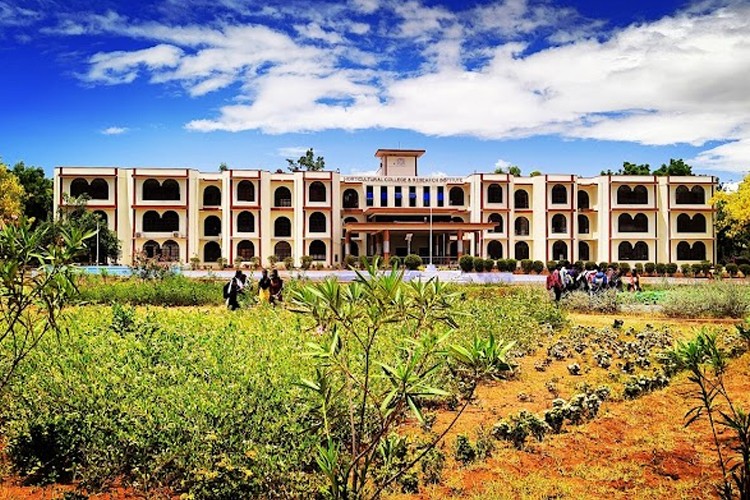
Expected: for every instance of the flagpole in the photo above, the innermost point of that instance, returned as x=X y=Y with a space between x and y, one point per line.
x=97 y=242
x=430 y=232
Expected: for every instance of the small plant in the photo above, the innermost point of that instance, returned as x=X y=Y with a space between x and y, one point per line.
x=466 y=263
x=661 y=269
x=272 y=260
x=649 y=268
x=412 y=262
x=538 y=266
x=195 y=262
x=590 y=265
x=305 y=262
x=604 y=265
x=511 y=265
x=350 y=261
x=395 y=262
x=489 y=264
x=624 y=267
x=551 y=265
x=255 y=262
x=526 y=265
x=485 y=445
x=432 y=466
x=289 y=263
x=479 y=264
x=732 y=269
x=639 y=268
x=671 y=268
x=222 y=262
x=745 y=270
x=519 y=428
x=463 y=451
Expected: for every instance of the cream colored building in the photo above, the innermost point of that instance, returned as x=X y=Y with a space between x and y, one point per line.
x=179 y=214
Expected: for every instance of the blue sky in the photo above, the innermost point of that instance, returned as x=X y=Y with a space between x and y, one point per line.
x=553 y=86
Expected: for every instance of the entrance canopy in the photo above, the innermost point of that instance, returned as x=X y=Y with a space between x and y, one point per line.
x=374 y=227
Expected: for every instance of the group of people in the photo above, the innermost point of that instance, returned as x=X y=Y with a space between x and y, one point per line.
x=269 y=288
x=562 y=280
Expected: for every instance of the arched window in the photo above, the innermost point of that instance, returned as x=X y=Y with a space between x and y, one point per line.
x=151 y=189
x=354 y=249
x=351 y=198
x=699 y=251
x=583 y=200
x=636 y=196
x=317 y=191
x=521 y=199
x=522 y=226
x=317 y=250
x=456 y=196
x=559 y=224
x=584 y=252
x=151 y=249
x=457 y=219
x=170 y=190
x=682 y=196
x=698 y=195
x=497 y=219
x=583 y=224
x=99 y=189
x=211 y=252
x=559 y=194
x=687 y=225
x=102 y=217
x=628 y=224
x=282 y=228
x=151 y=222
x=624 y=195
x=683 y=251
x=245 y=191
x=626 y=251
x=170 y=251
x=79 y=187
x=170 y=221
x=245 y=222
x=282 y=197
x=245 y=250
x=559 y=250
x=495 y=249
x=351 y=219
x=211 y=196
x=640 y=251
x=282 y=250
x=317 y=222
x=640 y=195
x=522 y=250
x=494 y=194
x=212 y=226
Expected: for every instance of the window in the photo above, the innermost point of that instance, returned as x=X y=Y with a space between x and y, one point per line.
x=317 y=250
x=351 y=199
x=494 y=194
x=245 y=250
x=151 y=222
x=522 y=250
x=317 y=192
x=347 y=220
x=412 y=196
x=495 y=249
x=282 y=250
x=170 y=251
x=152 y=249
x=694 y=196
x=521 y=199
x=245 y=222
x=317 y=222
x=522 y=226
x=559 y=224
x=79 y=187
x=426 y=196
x=99 y=189
x=212 y=226
x=628 y=224
x=282 y=197
x=583 y=224
x=398 y=196
x=383 y=196
x=354 y=249
x=584 y=252
x=245 y=191
x=211 y=197
x=151 y=190
x=636 y=196
x=687 y=225
x=560 y=250
x=440 y=196
x=170 y=190
x=211 y=252
x=559 y=195
x=282 y=227
x=170 y=221
x=369 y=195
x=583 y=200
x=626 y=251
x=697 y=252
x=456 y=196
x=496 y=219
x=154 y=223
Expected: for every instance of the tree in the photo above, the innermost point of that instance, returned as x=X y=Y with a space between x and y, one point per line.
x=74 y=213
x=11 y=196
x=675 y=167
x=535 y=173
x=38 y=188
x=733 y=221
x=630 y=169
x=514 y=170
x=223 y=167
x=307 y=162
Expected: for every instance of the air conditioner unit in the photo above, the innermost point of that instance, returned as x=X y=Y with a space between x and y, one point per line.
x=138 y=235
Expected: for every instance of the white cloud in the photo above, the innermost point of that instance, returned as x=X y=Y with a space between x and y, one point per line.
x=732 y=157
x=292 y=152
x=122 y=67
x=115 y=130
x=500 y=163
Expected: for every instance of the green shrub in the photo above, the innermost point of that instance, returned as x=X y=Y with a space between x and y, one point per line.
x=537 y=266
x=463 y=450
x=732 y=269
x=432 y=466
x=671 y=268
x=605 y=302
x=511 y=265
x=289 y=263
x=176 y=290
x=604 y=265
x=350 y=261
x=697 y=269
x=305 y=262
x=579 y=264
x=466 y=263
x=624 y=267
x=479 y=264
x=551 y=265
x=650 y=267
x=590 y=265
x=706 y=267
x=412 y=262
x=639 y=268
x=712 y=300
x=526 y=265
x=394 y=262
x=489 y=264
x=661 y=269
x=745 y=270
x=502 y=265
x=686 y=269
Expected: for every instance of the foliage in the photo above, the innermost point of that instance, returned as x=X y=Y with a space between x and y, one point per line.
x=11 y=196
x=395 y=262
x=412 y=262
x=305 y=262
x=223 y=167
x=511 y=170
x=534 y=173
x=149 y=268
x=171 y=290
x=518 y=428
x=661 y=269
x=624 y=267
x=511 y=265
x=38 y=192
x=630 y=169
x=686 y=269
x=733 y=221
x=671 y=268
x=745 y=270
x=307 y=162
x=711 y=300
x=478 y=264
x=537 y=266
x=675 y=167
x=732 y=269
x=463 y=450
x=466 y=263
x=579 y=301
x=350 y=261
x=649 y=268
x=551 y=265
x=526 y=265
x=75 y=214
x=288 y=263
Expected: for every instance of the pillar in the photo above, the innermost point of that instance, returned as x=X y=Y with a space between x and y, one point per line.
x=460 y=243
x=386 y=245
x=347 y=243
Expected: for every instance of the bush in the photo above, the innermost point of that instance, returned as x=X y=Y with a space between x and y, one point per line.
x=732 y=269
x=639 y=268
x=463 y=450
x=603 y=265
x=605 y=302
x=551 y=265
x=412 y=262
x=671 y=268
x=661 y=269
x=697 y=268
x=686 y=269
x=394 y=262
x=350 y=261
x=745 y=270
x=713 y=300
x=650 y=267
x=706 y=267
x=289 y=263
x=175 y=290
x=305 y=262
x=479 y=264
x=526 y=265
x=511 y=265
x=624 y=267
x=537 y=266
x=502 y=265
x=578 y=264
x=590 y=265
x=466 y=263
x=489 y=264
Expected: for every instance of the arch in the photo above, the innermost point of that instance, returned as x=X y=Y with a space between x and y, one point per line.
x=317 y=250
x=456 y=196
x=624 y=250
x=170 y=190
x=354 y=248
x=317 y=223
x=583 y=224
x=640 y=251
x=151 y=189
x=634 y=196
x=682 y=196
x=350 y=219
x=151 y=249
x=521 y=199
x=583 y=200
x=559 y=194
x=628 y=224
x=282 y=197
x=99 y=189
x=627 y=251
x=102 y=216
x=151 y=222
x=79 y=187
x=245 y=222
x=317 y=191
x=282 y=250
x=211 y=252
x=698 y=195
x=170 y=221
x=683 y=251
x=522 y=226
x=494 y=193
x=624 y=194
x=696 y=224
x=559 y=224
x=282 y=227
x=497 y=219
x=522 y=250
x=584 y=251
x=559 y=250
x=211 y=196
x=351 y=198
x=212 y=226
x=245 y=250
x=495 y=249
x=170 y=251
x=457 y=219
x=699 y=251
x=640 y=195
x=245 y=191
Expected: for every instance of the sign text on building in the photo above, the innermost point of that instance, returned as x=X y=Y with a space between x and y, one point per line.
x=371 y=179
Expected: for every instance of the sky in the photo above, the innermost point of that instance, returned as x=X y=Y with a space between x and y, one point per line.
x=555 y=86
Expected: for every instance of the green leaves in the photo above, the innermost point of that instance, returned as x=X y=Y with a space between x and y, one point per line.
x=485 y=357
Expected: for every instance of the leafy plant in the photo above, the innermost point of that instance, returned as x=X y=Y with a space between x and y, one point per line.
x=537 y=266
x=466 y=263
x=511 y=265
x=305 y=262
x=526 y=265
x=649 y=268
x=412 y=262
x=463 y=450
x=661 y=269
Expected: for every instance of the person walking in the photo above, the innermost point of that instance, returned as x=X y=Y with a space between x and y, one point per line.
x=635 y=282
x=233 y=289
x=554 y=283
x=277 y=285
x=264 y=284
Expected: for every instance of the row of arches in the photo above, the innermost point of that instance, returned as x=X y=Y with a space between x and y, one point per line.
x=98 y=189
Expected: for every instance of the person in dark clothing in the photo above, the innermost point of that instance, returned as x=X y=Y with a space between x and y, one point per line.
x=277 y=284
x=233 y=289
x=264 y=284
